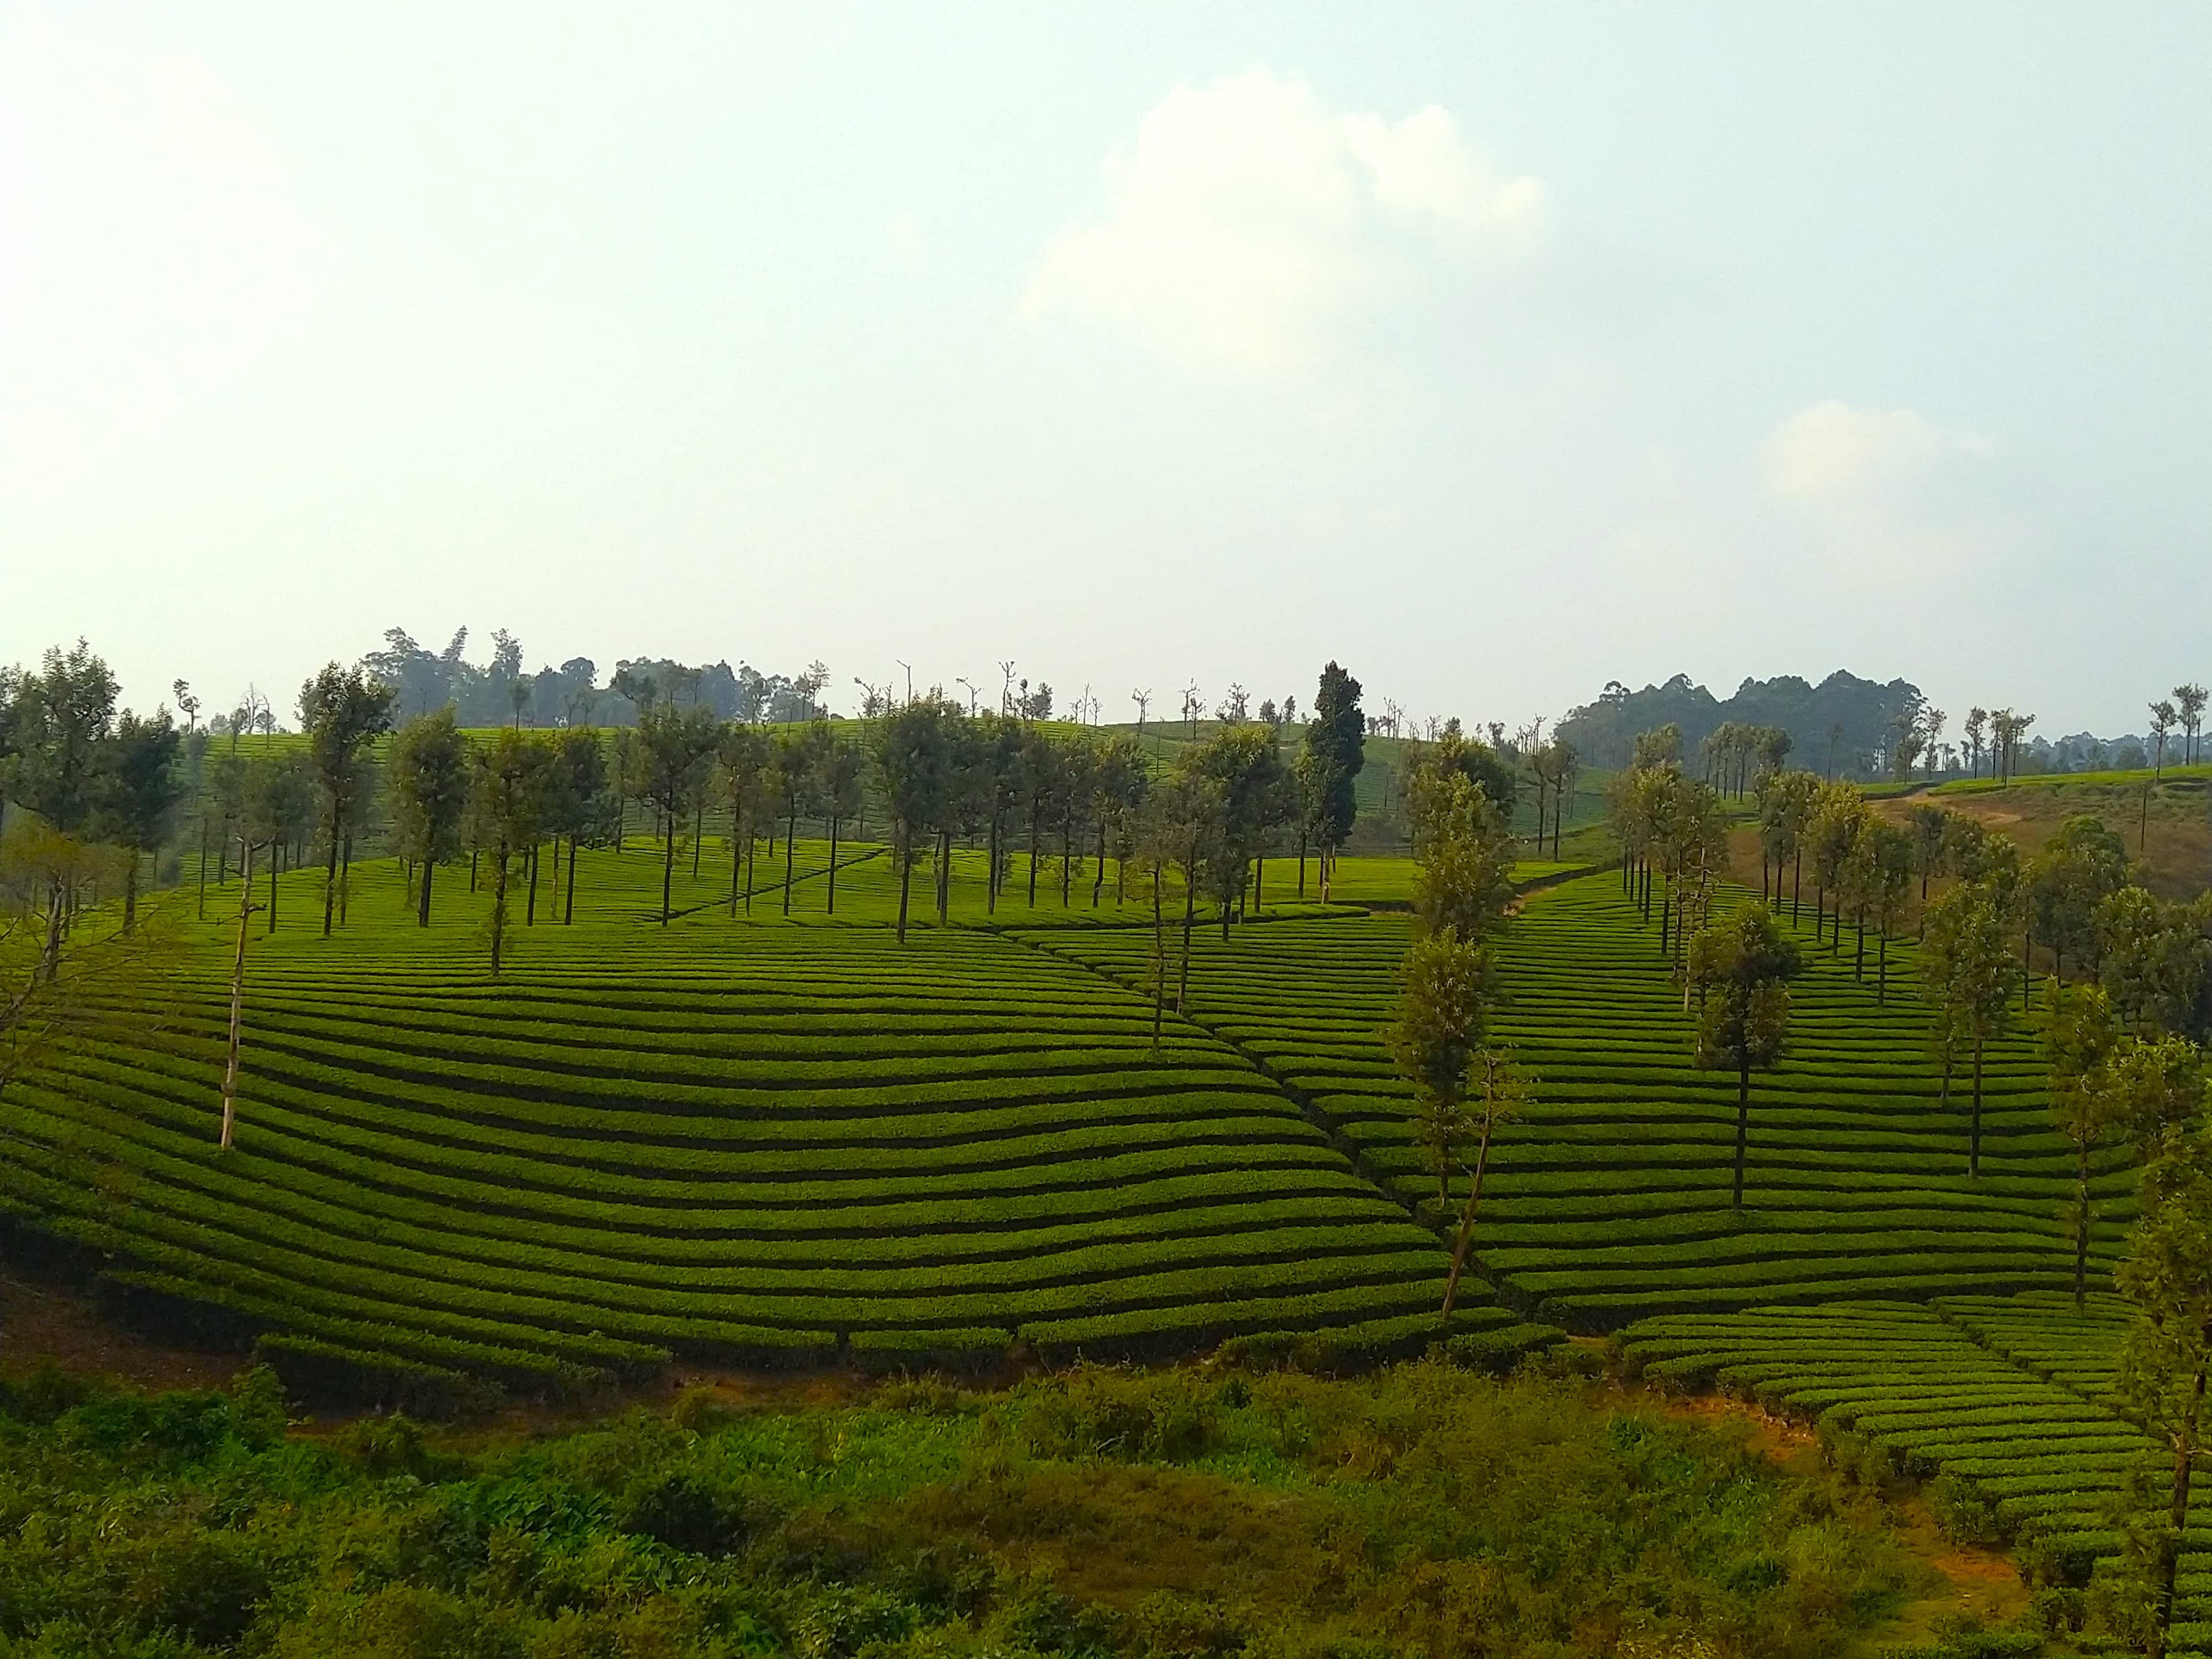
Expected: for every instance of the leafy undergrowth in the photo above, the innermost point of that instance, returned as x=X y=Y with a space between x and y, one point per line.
x=1425 y=1510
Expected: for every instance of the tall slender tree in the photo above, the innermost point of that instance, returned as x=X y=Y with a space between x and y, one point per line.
x=429 y=773
x=1336 y=737
x=342 y=711
x=1966 y=965
x=1740 y=970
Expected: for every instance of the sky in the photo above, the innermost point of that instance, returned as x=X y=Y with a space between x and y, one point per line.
x=1497 y=352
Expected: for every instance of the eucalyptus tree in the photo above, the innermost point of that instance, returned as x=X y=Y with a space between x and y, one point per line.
x=429 y=773
x=1074 y=794
x=744 y=760
x=1040 y=767
x=137 y=795
x=1255 y=803
x=1740 y=970
x=2078 y=1044
x=341 y=710
x=285 y=804
x=1888 y=885
x=1839 y=817
x=2162 y=717
x=792 y=776
x=1118 y=778
x=61 y=719
x=509 y=787
x=837 y=789
x=1966 y=963
x=1929 y=826
x=579 y=805
x=2077 y=869
x=677 y=747
x=913 y=756
x=1336 y=736
x=2189 y=705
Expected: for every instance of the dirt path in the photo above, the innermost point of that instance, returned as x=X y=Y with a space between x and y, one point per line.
x=41 y=1321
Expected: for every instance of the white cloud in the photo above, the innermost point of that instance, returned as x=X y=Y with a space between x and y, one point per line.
x=1837 y=454
x=1888 y=491
x=1251 y=220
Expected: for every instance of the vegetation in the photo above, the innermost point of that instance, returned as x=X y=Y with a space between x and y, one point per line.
x=1098 y=1513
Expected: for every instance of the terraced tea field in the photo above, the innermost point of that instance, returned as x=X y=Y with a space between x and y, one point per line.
x=761 y=1143
x=1610 y=1200
x=2006 y=1401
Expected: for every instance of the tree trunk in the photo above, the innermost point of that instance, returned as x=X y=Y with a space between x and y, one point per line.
x=906 y=879
x=699 y=835
x=752 y=869
x=667 y=867
x=1974 y=1139
x=1098 y=877
x=790 y=842
x=530 y=909
x=1302 y=863
x=474 y=853
x=1033 y=854
x=1881 y=973
x=346 y=878
x=738 y=844
x=330 y=876
x=943 y=874
x=2185 y=1458
x=1159 y=960
x=204 y=841
x=1189 y=914
x=834 y=821
x=130 y=892
x=1742 y=1126
x=2080 y=1225
x=991 y=883
x=1466 y=1223
x=498 y=911
x=276 y=857
x=422 y=902
x=237 y=997
x=568 y=903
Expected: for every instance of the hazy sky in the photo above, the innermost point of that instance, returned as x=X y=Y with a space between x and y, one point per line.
x=1497 y=351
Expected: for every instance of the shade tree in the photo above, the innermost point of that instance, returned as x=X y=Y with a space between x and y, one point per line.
x=1336 y=738
x=1740 y=970
x=676 y=746
x=429 y=780
x=341 y=710
x=1965 y=963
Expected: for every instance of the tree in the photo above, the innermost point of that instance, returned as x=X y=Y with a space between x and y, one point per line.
x=429 y=773
x=1839 y=818
x=1966 y=966
x=282 y=801
x=578 y=804
x=2077 y=1045
x=1255 y=800
x=2080 y=867
x=1928 y=823
x=1978 y=720
x=837 y=788
x=1740 y=970
x=741 y=770
x=341 y=710
x=790 y=778
x=1889 y=854
x=2168 y=1356
x=1465 y=880
x=507 y=798
x=2161 y=723
x=61 y=720
x=1446 y=984
x=676 y=747
x=137 y=792
x=913 y=756
x=2189 y=702
x=1337 y=738
x=2154 y=962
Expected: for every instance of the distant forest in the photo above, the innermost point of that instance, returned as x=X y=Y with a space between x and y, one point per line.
x=1845 y=727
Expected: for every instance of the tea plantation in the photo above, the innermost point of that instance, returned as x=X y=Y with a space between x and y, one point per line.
x=1610 y=1199
x=765 y=1143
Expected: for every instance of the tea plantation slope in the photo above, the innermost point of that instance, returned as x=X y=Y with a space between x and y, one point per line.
x=2005 y=1401
x=759 y=1143
x=1610 y=1199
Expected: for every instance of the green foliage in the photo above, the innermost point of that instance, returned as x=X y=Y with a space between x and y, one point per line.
x=1112 y=1513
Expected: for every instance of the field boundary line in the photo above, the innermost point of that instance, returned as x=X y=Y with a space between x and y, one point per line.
x=1309 y=1108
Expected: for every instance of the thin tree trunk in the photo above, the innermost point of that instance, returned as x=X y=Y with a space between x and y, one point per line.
x=833 y=864
x=2080 y=1225
x=1466 y=1223
x=530 y=909
x=331 y=877
x=1159 y=960
x=1974 y=1141
x=1098 y=877
x=2185 y=1458
x=422 y=900
x=667 y=867
x=990 y=884
x=790 y=842
x=1742 y=1127
x=275 y=857
x=906 y=880
x=1033 y=854
x=237 y=997
x=346 y=878
x=498 y=911
x=569 y=904
x=1189 y=915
